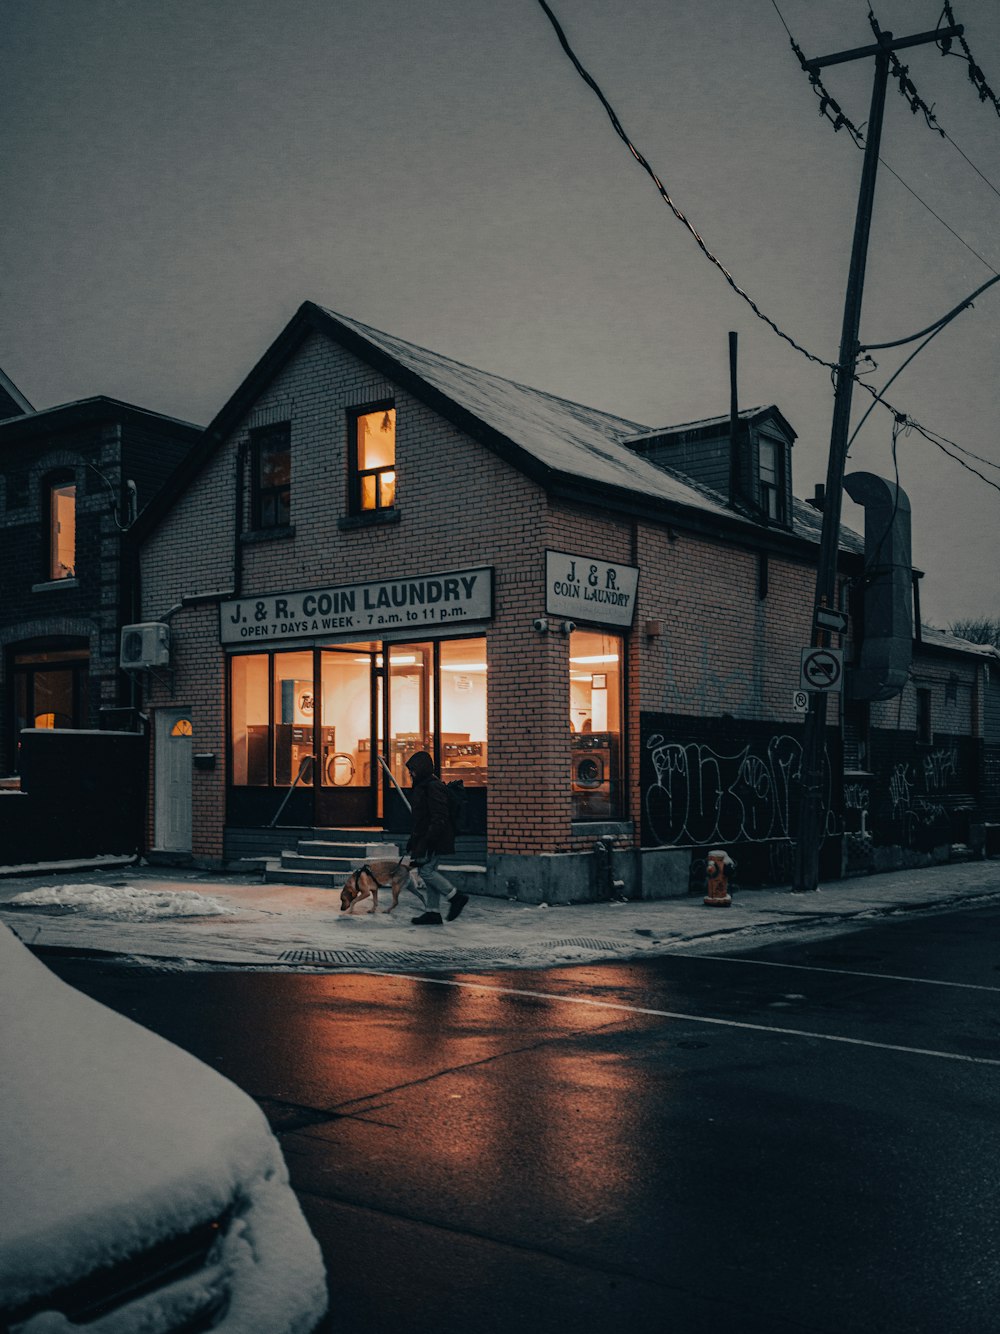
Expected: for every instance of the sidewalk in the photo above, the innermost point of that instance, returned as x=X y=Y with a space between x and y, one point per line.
x=195 y=919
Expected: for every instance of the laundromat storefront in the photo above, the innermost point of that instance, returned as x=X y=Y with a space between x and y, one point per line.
x=320 y=731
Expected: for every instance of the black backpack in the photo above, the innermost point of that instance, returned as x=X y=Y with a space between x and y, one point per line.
x=456 y=804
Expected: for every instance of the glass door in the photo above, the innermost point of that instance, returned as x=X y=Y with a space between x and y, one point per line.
x=410 y=725
x=347 y=771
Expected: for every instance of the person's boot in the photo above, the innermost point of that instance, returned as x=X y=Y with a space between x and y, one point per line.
x=456 y=904
x=427 y=919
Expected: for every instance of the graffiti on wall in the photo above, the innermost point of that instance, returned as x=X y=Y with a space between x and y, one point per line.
x=857 y=797
x=939 y=768
x=700 y=795
x=916 y=815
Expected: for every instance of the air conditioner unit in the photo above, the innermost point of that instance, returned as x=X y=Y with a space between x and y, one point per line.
x=146 y=645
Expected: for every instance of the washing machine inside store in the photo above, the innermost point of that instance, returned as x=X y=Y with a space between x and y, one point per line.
x=593 y=764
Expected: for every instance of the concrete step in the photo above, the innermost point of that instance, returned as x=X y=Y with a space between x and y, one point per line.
x=328 y=873
x=356 y=853
x=276 y=874
x=342 y=866
x=355 y=835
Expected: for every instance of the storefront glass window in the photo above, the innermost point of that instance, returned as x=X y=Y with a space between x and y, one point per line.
x=463 y=711
x=294 y=718
x=249 y=761
x=595 y=701
x=411 y=704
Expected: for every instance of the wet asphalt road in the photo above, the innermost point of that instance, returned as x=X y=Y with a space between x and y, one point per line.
x=780 y=1139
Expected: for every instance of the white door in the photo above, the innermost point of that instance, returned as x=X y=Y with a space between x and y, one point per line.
x=173 y=780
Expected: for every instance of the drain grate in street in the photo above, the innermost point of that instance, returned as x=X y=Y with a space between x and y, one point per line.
x=361 y=958
x=406 y=958
x=587 y=943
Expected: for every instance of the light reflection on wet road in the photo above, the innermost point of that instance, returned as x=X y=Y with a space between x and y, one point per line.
x=475 y=1159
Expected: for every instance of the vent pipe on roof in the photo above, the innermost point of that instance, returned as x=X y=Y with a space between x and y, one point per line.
x=734 y=425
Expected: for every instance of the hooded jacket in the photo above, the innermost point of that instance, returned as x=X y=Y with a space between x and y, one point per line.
x=432 y=829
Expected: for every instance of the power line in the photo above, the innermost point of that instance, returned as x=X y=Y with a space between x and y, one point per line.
x=665 y=196
x=828 y=105
x=971 y=249
x=976 y=76
x=834 y=367
x=917 y=104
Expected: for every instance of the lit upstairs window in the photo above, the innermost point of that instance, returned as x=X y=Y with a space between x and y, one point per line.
x=62 y=530
x=375 y=460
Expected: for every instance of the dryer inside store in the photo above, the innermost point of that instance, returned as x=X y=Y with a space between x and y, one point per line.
x=593 y=765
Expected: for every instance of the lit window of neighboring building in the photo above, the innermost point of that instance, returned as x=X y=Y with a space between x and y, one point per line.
x=62 y=529
x=373 y=460
x=596 y=660
x=272 y=477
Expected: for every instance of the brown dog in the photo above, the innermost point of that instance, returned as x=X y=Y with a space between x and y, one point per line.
x=367 y=880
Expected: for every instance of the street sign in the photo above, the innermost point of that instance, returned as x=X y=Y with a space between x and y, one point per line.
x=829 y=618
x=822 y=668
x=800 y=701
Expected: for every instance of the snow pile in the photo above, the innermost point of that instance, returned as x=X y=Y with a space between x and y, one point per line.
x=122 y=903
x=115 y=1139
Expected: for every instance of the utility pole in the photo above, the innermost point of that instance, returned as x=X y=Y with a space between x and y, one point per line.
x=812 y=814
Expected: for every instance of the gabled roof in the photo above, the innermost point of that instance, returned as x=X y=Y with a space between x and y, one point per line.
x=571 y=450
x=83 y=412
x=709 y=426
x=11 y=399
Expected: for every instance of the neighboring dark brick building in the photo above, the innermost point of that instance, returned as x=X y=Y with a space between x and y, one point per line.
x=72 y=478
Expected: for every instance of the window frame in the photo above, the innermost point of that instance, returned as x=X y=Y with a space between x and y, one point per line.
x=53 y=481
x=584 y=745
x=924 y=715
x=356 y=474
x=260 y=493
x=765 y=489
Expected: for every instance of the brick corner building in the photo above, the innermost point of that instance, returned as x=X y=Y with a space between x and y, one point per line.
x=594 y=624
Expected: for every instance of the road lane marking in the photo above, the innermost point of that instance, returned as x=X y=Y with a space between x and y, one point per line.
x=688 y=1018
x=848 y=972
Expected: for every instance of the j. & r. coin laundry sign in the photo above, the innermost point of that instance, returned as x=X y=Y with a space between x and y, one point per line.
x=367 y=609
x=584 y=589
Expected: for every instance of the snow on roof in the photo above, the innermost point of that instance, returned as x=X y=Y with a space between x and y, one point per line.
x=565 y=436
x=708 y=423
x=572 y=439
x=935 y=638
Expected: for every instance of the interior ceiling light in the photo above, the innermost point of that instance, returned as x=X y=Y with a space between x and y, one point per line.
x=597 y=657
x=463 y=666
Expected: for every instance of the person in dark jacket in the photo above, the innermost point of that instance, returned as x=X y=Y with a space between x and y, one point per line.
x=432 y=834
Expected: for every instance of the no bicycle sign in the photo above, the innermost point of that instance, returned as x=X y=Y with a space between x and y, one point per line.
x=822 y=669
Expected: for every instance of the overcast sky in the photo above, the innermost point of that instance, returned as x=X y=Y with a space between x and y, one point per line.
x=178 y=175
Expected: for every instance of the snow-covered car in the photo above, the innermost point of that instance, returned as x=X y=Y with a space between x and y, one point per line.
x=139 y=1189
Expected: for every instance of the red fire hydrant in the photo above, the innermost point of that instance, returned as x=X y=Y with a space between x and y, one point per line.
x=718 y=871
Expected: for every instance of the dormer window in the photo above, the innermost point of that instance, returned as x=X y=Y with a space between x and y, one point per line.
x=771 y=479
x=61 y=526
x=373 y=460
